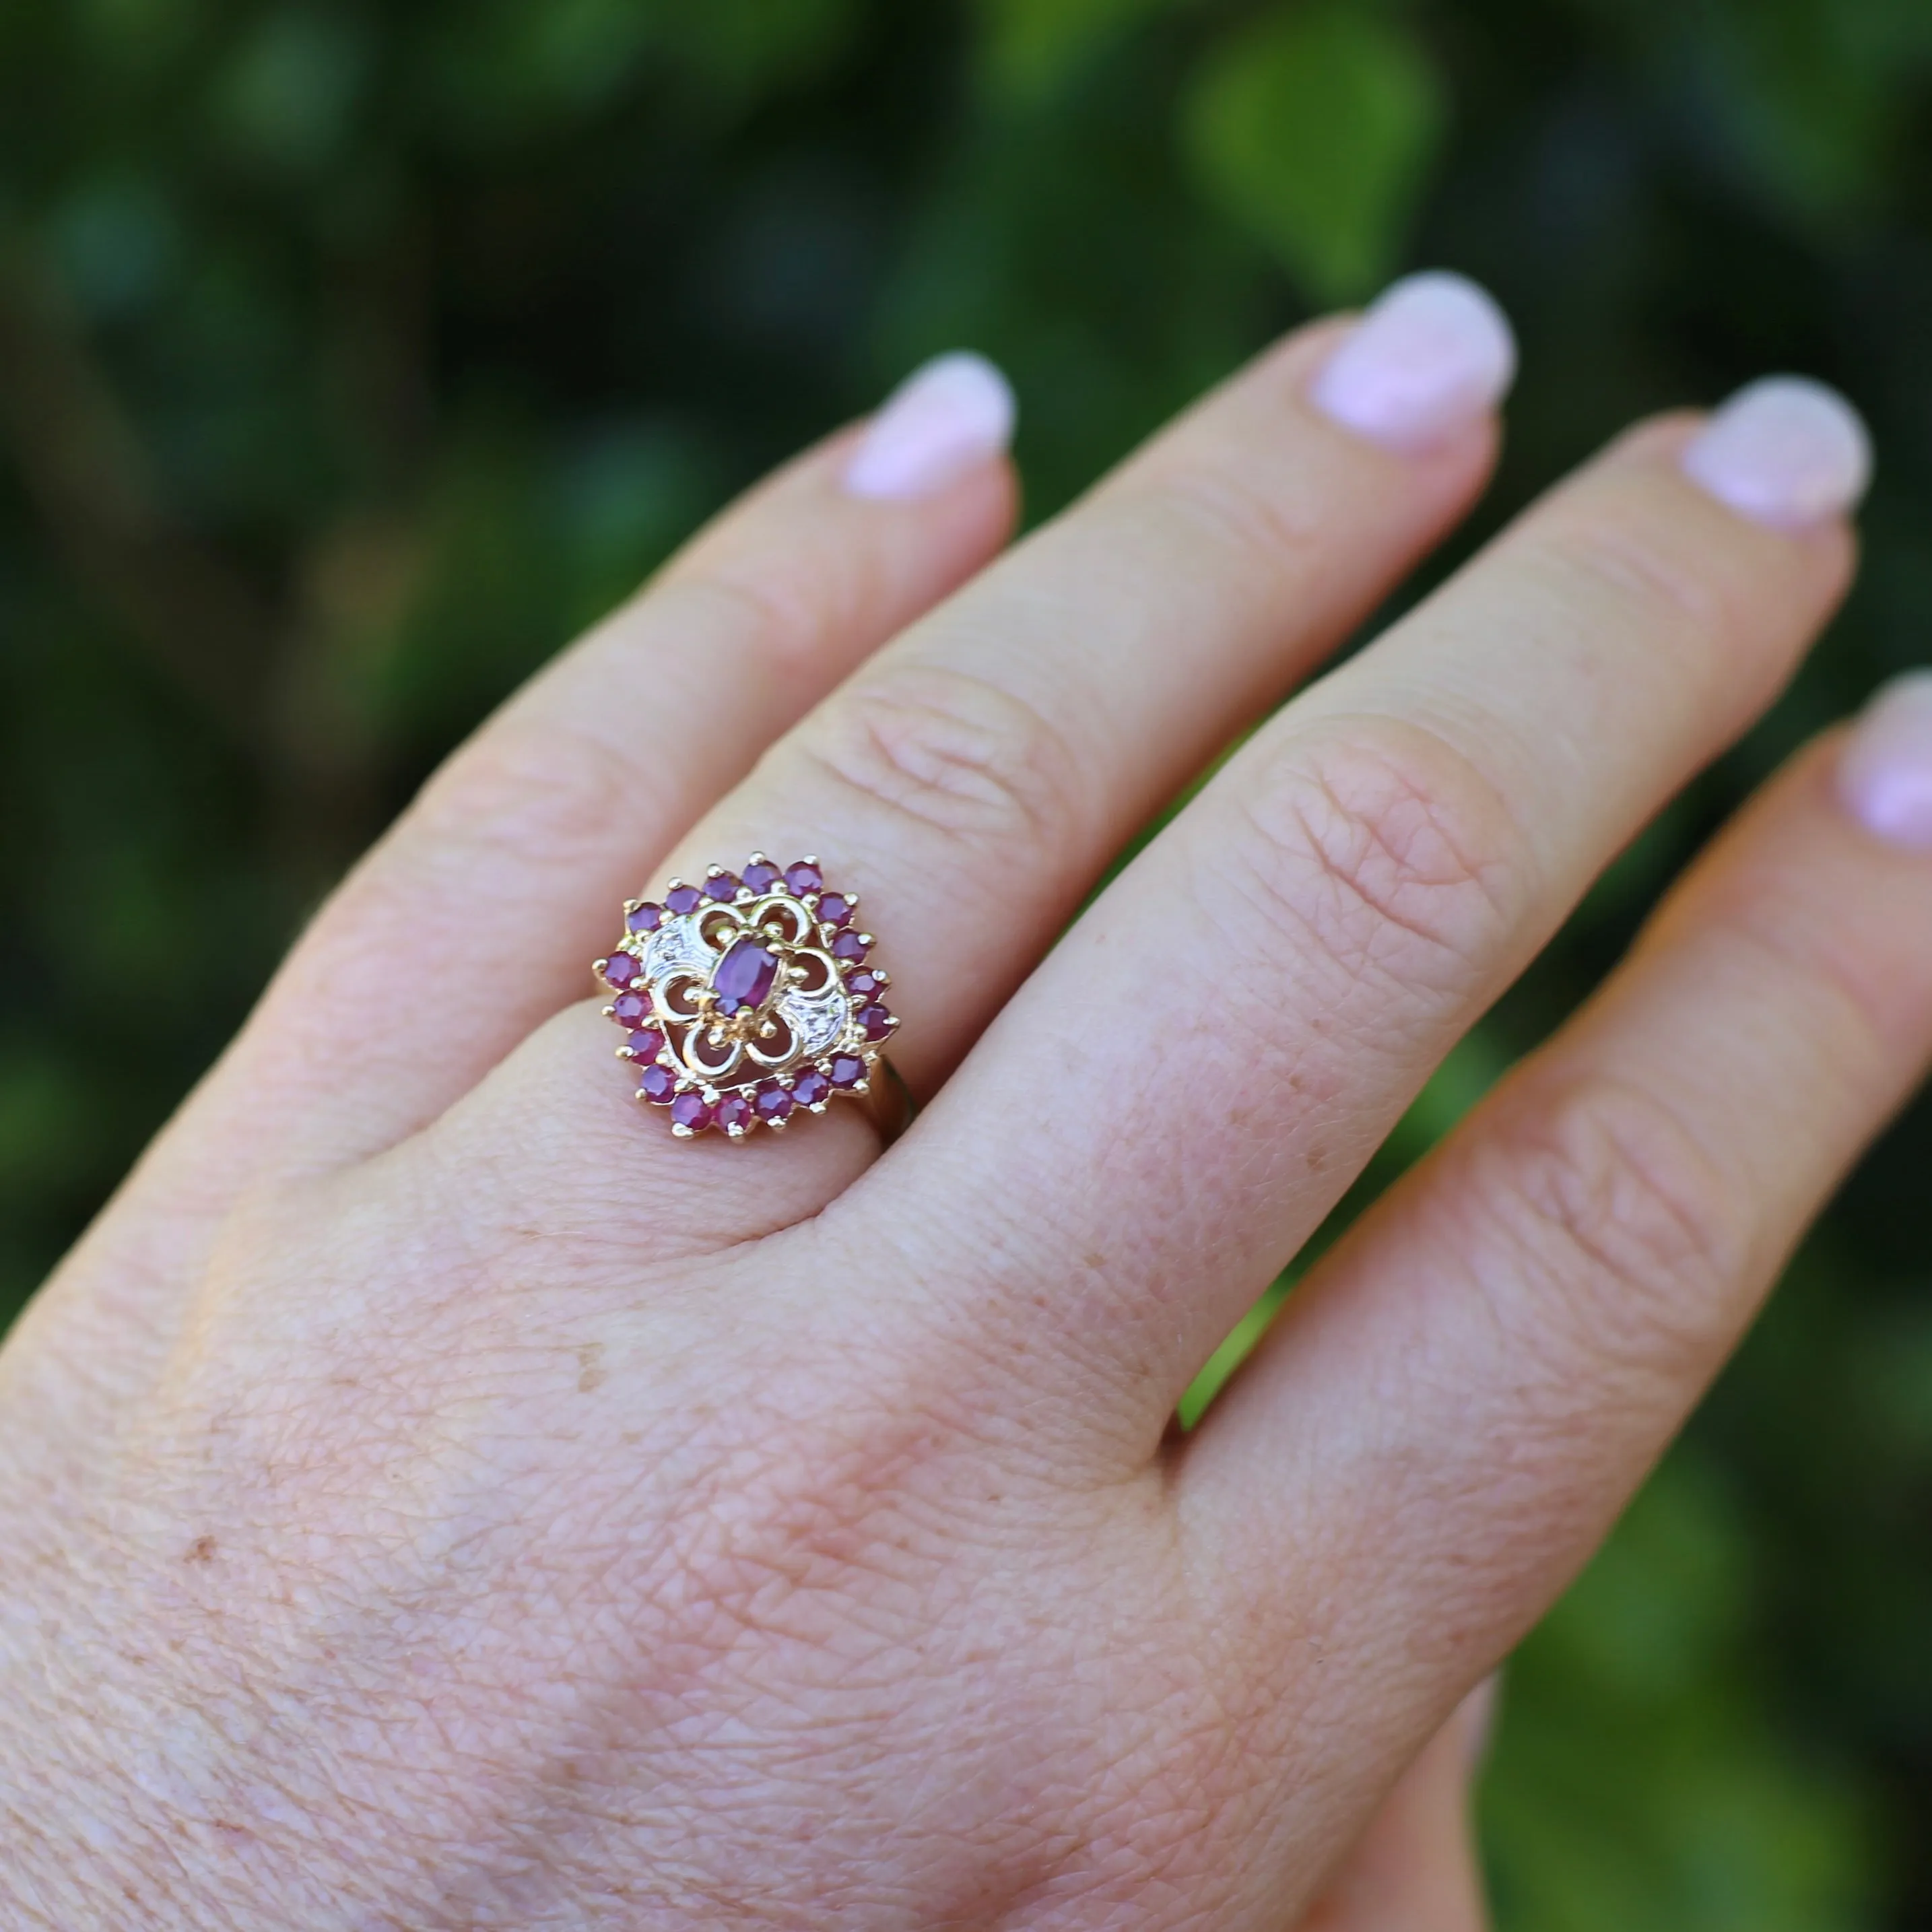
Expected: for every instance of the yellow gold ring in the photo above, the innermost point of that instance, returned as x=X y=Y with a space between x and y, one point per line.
x=750 y=998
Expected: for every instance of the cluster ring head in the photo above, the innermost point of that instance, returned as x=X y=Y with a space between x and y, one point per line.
x=748 y=998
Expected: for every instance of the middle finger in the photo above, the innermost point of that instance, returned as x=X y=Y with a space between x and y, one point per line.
x=1235 y=1025
x=974 y=777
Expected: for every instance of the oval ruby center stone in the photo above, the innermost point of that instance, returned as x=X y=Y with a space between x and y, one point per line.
x=742 y=979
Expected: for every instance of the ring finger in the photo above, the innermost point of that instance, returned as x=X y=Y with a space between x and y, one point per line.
x=974 y=778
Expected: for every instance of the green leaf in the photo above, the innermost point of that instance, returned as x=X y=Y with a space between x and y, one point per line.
x=1314 y=130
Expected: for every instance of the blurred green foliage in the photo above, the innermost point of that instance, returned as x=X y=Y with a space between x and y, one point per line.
x=352 y=356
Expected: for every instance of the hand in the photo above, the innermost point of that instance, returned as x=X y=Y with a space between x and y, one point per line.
x=435 y=1497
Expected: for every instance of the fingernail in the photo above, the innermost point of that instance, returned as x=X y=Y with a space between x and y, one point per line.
x=1884 y=775
x=941 y=422
x=1433 y=354
x=1785 y=451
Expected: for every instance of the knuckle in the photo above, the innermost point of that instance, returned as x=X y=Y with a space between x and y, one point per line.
x=787 y=608
x=1210 y=506
x=541 y=793
x=1384 y=849
x=950 y=753
x=1622 y=1229
x=1655 y=581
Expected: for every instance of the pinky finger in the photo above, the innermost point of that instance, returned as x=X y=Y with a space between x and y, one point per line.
x=1476 y=1379
x=1415 y=1868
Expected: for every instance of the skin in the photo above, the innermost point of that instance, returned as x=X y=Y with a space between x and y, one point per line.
x=434 y=1497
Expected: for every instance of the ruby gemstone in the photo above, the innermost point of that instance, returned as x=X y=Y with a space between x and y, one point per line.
x=645 y=918
x=691 y=1110
x=657 y=1084
x=631 y=1010
x=848 y=1070
x=620 y=969
x=761 y=875
x=743 y=979
x=682 y=899
x=774 y=1103
x=734 y=1111
x=865 y=984
x=723 y=887
x=875 y=1021
x=646 y=1043
x=811 y=1088
x=848 y=947
x=803 y=877
x=834 y=909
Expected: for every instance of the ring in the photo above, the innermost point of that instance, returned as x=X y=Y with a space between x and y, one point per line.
x=747 y=999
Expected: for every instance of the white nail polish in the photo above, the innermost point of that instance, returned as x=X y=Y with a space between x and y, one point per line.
x=1433 y=354
x=1885 y=773
x=1785 y=451
x=945 y=419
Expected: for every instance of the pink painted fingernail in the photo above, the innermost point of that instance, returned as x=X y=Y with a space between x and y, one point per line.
x=1432 y=354
x=1884 y=775
x=942 y=420
x=1785 y=451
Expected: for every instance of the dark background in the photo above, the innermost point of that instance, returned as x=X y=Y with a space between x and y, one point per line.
x=353 y=356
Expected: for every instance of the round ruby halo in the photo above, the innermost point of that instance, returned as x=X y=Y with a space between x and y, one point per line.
x=631 y=1010
x=737 y=1017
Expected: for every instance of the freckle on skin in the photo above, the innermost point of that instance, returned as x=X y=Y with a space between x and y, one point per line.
x=591 y=1373
x=201 y=1550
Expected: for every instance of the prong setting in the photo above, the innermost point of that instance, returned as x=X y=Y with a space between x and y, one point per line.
x=750 y=996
